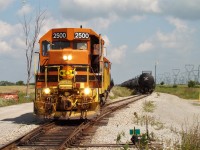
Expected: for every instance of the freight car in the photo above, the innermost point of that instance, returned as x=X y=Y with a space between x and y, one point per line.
x=143 y=83
x=73 y=76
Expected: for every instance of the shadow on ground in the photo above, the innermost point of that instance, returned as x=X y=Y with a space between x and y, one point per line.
x=27 y=119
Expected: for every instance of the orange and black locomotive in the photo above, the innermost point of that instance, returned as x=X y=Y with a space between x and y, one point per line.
x=73 y=77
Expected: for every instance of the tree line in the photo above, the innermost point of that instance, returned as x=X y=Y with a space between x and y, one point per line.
x=7 y=83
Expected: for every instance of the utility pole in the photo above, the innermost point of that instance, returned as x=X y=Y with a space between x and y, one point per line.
x=189 y=68
x=156 y=63
x=198 y=73
x=175 y=73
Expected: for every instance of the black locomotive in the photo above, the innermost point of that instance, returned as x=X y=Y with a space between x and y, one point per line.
x=143 y=83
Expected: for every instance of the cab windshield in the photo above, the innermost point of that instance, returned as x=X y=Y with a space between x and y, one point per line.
x=80 y=45
x=60 y=44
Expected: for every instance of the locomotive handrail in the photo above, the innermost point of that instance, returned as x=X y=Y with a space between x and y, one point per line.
x=46 y=71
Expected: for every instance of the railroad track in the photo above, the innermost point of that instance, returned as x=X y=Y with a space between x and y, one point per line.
x=70 y=133
x=102 y=119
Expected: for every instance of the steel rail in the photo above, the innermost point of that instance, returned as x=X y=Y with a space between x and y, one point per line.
x=154 y=145
x=71 y=139
x=103 y=145
x=117 y=101
x=23 y=138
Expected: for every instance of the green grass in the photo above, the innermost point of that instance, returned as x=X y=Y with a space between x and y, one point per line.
x=13 y=88
x=118 y=91
x=190 y=136
x=22 y=99
x=149 y=106
x=180 y=91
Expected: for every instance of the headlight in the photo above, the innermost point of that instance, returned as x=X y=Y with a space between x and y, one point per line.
x=47 y=90
x=67 y=57
x=87 y=91
x=64 y=57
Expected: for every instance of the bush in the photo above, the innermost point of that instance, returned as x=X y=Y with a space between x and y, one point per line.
x=190 y=136
x=6 y=83
x=22 y=99
x=20 y=82
x=7 y=102
x=149 y=106
x=191 y=83
x=118 y=91
x=162 y=83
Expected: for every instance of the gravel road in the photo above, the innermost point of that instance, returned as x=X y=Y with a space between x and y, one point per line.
x=15 y=121
x=166 y=120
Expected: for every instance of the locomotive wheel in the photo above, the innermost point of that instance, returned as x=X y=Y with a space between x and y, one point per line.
x=102 y=100
x=105 y=96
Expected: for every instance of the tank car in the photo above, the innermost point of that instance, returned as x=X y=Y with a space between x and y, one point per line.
x=73 y=77
x=143 y=83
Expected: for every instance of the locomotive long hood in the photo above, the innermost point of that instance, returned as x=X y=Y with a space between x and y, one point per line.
x=78 y=56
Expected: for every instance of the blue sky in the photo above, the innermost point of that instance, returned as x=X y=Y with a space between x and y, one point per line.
x=138 y=33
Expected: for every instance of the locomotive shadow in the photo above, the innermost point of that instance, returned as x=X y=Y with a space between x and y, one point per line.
x=26 y=119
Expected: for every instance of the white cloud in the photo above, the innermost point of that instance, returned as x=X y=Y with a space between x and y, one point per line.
x=178 y=40
x=13 y=47
x=25 y=9
x=144 y=47
x=164 y=37
x=90 y=9
x=179 y=24
x=51 y=22
x=18 y=43
x=7 y=29
x=10 y=38
x=137 y=18
x=4 y=4
x=102 y=23
x=116 y=55
x=5 y=47
x=168 y=40
x=96 y=24
x=107 y=41
x=184 y=9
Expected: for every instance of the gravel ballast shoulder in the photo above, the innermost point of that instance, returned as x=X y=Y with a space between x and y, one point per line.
x=15 y=121
x=167 y=119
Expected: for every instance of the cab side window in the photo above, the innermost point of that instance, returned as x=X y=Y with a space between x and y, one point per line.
x=106 y=65
x=45 y=48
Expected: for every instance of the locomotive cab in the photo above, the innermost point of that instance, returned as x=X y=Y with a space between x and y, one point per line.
x=73 y=75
